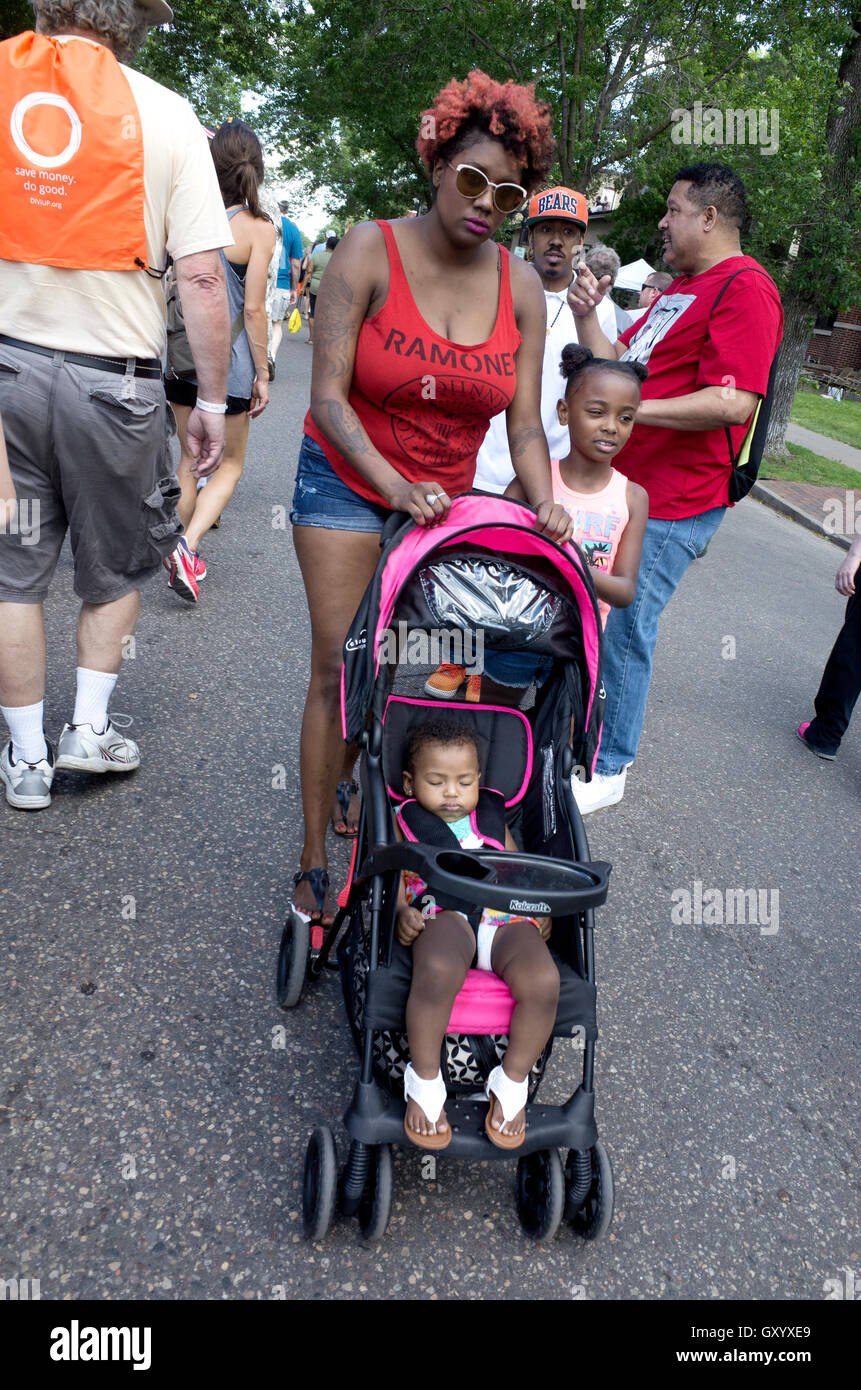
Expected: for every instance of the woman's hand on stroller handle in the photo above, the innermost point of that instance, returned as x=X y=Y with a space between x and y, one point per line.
x=426 y=502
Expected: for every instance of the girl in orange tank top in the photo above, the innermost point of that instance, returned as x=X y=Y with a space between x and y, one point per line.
x=609 y=512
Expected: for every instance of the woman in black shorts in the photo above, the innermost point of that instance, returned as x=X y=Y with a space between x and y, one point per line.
x=238 y=163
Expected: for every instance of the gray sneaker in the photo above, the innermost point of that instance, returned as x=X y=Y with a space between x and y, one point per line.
x=28 y=785
x=81 y=749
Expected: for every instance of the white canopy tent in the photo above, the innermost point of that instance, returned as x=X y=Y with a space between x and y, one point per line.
x=631 y=276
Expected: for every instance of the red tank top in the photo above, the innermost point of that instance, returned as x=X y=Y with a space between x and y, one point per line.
x=424 y=401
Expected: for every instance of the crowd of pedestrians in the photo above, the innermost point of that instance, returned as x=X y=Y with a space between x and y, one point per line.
x=82 y=339
x=559 y=383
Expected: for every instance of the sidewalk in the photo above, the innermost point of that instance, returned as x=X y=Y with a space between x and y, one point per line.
x=820 y=509
x=816 y=508
x=826 y=446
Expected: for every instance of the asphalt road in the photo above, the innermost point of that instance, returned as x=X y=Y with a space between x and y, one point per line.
x=155 y=1103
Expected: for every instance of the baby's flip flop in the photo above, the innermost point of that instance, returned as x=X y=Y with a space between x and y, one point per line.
x=430 y=1096
x=512 y=1097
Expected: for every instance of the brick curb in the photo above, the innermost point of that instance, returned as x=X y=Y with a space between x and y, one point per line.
x=763 y=493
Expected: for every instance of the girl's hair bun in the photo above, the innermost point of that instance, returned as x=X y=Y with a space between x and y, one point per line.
x=574 y=359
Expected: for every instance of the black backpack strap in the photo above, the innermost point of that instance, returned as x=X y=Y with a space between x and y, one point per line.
x=770 y=387
x=728 y=281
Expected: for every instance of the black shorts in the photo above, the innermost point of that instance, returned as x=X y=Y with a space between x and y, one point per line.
x=180 y=391
x=312 y=300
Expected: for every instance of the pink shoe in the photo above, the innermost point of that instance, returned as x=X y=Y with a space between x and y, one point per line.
x=801 y=732
x=183 y=579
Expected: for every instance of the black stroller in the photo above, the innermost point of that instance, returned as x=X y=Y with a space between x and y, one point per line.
x=485 y=577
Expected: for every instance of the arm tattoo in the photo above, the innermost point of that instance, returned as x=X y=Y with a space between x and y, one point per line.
x=337 y=329
x=345 y=428
x=520 y=441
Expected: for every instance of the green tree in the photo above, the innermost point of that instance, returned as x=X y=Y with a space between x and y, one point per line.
x=824 y=274
x=16 y=16
x=358 y=77
x=214 y=51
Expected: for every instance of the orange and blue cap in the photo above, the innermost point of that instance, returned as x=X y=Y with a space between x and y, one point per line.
x=560 y=204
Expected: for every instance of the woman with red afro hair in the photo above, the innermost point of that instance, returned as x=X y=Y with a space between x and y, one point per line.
x=425 y=328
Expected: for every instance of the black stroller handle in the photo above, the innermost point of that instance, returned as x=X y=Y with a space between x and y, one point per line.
x=528 y=884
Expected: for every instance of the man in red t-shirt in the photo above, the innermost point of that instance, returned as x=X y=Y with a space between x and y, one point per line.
x=708 y=362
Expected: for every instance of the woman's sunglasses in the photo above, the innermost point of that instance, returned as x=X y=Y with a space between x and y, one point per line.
x=471 y=183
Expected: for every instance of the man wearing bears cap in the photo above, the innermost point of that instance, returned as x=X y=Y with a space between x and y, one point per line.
x=557 y=220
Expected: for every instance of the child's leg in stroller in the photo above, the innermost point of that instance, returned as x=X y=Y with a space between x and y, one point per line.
x=442 y=954
x=520 y=957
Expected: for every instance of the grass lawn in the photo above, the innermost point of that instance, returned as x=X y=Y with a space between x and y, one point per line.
x=806 y=467
x=838 y=419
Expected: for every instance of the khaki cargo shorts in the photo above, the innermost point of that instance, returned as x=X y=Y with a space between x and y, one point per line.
x=89 y=452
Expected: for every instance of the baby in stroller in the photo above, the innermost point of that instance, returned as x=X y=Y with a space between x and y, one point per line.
x=446 y=804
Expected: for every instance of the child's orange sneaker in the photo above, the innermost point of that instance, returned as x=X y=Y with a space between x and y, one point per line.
x=446 y=681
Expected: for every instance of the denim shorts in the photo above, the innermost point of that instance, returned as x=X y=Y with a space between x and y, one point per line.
x=321 y=499
x=517 y=669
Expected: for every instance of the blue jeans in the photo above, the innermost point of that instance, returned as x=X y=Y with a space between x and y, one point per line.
x=632 y=633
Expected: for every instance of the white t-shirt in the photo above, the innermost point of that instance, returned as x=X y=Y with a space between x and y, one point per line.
x=494 y=470
x=121 y=313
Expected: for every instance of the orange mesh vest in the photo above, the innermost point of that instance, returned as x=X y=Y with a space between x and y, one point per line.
x=71 y=157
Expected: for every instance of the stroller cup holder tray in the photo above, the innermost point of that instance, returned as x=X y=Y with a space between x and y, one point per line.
x=508 y=881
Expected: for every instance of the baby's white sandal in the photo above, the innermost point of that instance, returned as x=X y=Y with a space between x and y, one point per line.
x=512 y=1097
x=430 y=1096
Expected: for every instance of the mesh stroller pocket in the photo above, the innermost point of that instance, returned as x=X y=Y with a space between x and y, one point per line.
x=468 y=1060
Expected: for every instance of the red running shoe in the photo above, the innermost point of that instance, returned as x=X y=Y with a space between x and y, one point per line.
x=183 y=579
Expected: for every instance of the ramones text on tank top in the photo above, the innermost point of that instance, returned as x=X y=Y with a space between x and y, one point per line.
x=424 y=401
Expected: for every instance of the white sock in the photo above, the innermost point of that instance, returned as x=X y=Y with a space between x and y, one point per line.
x=94 y=690
x=28 y=735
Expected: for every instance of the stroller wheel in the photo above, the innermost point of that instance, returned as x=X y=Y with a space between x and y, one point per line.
x=375 y=1207
x=593 y=1213
x=293 y=960
x=540 y=1191
x=319 y=1183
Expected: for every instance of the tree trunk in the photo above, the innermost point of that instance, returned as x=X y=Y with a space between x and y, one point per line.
x=799 y=316
x=844 y=118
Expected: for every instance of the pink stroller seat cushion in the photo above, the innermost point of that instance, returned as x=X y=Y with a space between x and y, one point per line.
x=483 y=1005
